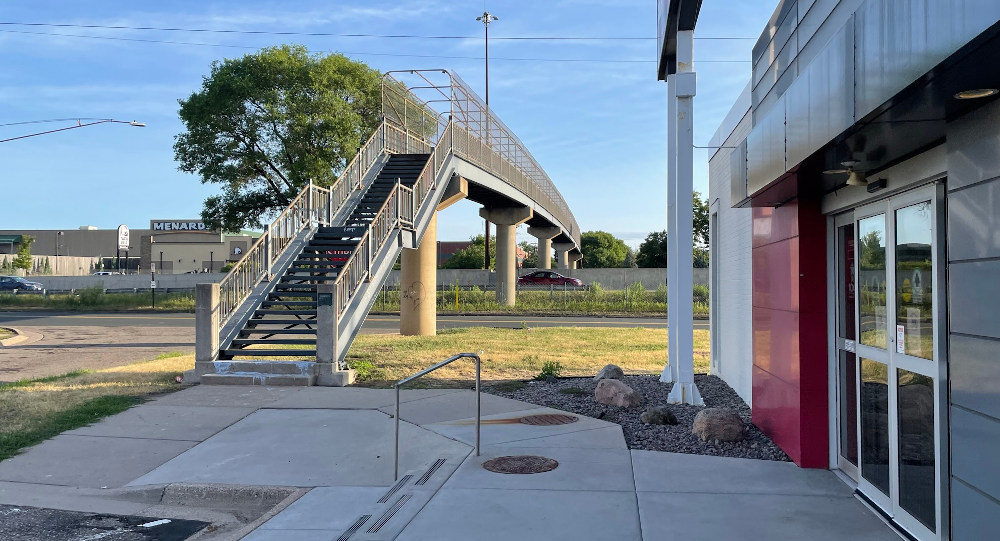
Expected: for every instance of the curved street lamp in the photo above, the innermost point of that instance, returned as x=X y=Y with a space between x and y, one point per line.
x=79 y=124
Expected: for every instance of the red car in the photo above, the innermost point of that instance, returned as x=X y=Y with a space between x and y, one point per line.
x=544 y=277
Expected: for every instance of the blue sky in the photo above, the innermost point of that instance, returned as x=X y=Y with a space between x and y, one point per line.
x=598 y=128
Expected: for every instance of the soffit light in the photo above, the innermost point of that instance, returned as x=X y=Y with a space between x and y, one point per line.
x=976 y=93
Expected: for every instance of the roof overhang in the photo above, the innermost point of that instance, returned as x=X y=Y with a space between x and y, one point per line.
x=672 y=16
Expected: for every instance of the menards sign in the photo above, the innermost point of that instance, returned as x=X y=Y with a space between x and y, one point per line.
x=178 y=225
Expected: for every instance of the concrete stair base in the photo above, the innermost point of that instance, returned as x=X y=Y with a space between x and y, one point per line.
x=283 y=373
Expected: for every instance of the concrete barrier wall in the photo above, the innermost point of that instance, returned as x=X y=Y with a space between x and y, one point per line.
x=60 y=265
x=608 y=278
x=141 y=281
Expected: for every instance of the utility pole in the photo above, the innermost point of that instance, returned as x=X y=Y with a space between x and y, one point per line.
x=486 y=19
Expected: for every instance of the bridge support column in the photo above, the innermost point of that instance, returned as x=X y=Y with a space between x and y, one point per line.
x=418 y=284
x=418 y=271
x=506 y=220
x=544 y=236
x=574 y=259
x=562 y=254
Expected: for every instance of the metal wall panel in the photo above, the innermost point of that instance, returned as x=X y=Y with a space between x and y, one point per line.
x=975 y=446
x=973 y=298
x=974 y=147
x=738 y=173
x=766 y=148
x=975 y=371
x=900 y=40
x=820 y=104
x=973 y=516
x=974 y=222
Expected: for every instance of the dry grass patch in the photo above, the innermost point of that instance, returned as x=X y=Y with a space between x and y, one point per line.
x=35 y=410
x=515 y=354
x=5 y=333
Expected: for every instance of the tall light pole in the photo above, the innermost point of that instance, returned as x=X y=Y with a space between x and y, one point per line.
x=79 y=124
x=486 y=19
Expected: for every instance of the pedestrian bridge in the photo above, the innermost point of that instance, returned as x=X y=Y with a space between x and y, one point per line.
x=305 y=287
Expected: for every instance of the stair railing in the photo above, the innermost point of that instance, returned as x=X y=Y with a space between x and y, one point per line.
x=313 y=205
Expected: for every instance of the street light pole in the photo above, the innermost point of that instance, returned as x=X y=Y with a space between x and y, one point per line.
x=79 y=124
x=486 y=19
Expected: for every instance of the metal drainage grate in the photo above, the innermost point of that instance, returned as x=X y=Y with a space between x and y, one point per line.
x=548 y=419
x=520 y=464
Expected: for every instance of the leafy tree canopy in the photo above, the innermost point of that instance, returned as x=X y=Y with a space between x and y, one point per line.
x=602 y=250
x=471 y=257
x=23 y=258
x=653 y=251
x=263 y=125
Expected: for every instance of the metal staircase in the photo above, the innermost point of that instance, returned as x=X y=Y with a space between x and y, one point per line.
x=287 y=316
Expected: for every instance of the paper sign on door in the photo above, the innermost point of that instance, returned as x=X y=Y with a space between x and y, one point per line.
x=900 y=331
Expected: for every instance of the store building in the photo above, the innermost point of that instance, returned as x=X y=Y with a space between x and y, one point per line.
x=858 y=180
x=173 y=246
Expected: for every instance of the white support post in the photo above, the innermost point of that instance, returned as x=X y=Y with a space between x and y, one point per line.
x=669 y=371
x=679 y=299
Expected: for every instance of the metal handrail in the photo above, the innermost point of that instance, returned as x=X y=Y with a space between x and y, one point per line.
x=400 y=383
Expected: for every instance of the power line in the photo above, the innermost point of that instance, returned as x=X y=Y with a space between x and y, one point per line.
x=351 y=35
x=359 y=53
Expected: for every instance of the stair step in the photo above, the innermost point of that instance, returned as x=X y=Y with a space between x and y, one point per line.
x=286 y=303
x=291 y=295
x=299 y=353
x=292 y=289
x=317 y=269
x=276 y=331
x=258 y=379
x=256 y=323
x=292 y=279
x=276 y=341
x=268 y=311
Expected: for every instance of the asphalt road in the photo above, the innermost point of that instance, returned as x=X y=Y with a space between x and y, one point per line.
x=374 y=324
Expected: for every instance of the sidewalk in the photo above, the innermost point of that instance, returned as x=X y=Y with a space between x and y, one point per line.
x=316 y=463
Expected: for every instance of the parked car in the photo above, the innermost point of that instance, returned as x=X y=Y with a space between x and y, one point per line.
x=106 y=273
x=543 y=277
x=12 y=283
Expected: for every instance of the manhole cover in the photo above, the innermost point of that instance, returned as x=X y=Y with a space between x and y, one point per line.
x=520 y=464
x=547 y=419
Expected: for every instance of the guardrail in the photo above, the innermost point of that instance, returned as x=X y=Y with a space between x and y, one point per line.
x=400 y=383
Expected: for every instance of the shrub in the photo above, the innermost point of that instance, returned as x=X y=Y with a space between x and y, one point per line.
x=549 y=368
x=700 y=293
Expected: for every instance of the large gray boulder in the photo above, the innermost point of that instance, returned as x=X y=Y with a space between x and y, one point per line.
x=615 y=393
x=610 y=371
x=718 y=424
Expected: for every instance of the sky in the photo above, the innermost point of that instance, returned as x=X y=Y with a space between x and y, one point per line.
x=590 y=111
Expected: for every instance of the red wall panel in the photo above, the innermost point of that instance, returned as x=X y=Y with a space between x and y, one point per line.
x=790 y=401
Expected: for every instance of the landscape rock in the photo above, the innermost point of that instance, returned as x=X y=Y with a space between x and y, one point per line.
x=615 y=393
x=658 y=416
x=610 y=371
x=718 y=424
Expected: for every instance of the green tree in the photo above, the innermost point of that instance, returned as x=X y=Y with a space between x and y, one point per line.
x=530 y=248
x=653 y=251
x=264 y=124
x=602 y=250
x=471 y=257
x=631 y=261
x=699 y=220
x=23 y=258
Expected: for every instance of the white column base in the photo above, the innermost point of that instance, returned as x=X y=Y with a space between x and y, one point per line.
x=685 y=393
x=668 y=374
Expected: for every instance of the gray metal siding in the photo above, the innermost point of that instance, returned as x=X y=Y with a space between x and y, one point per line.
x=974 y=297
x=974 y=515
x=975 y=450
x=974 y=222
x=975 y=371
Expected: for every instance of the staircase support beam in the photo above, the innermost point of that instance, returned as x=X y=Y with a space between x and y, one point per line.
x=506 y=220
x=418 y=284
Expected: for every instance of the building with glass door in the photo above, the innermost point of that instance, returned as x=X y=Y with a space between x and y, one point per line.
x=855 y=196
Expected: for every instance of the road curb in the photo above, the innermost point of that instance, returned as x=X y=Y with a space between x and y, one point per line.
x=21 y=337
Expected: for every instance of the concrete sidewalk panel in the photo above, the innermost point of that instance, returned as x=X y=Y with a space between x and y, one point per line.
x=354 y=398
x=333 y=509
x=236 y=396
x=190 y=423
x=677 y=472
x=594 y=470
x=306 y=448
x=90 y=461
x=261 y=534
x=504 y=515
x=711 y=517
x=593 y=438
x=505 y=428
x=453 y=406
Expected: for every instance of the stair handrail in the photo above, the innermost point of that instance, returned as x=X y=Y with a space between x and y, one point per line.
x=314 y=204
x=424 y=372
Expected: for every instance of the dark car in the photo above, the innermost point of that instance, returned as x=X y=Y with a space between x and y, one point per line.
x=11 y=283
x=543 y=277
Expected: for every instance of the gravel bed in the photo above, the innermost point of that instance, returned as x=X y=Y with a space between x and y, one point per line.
x=638 y=435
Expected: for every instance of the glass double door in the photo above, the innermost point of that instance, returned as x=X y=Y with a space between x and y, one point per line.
x=889 y=356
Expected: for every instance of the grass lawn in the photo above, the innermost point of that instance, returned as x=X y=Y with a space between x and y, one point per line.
x=35 y=410
x=5 y=333
x=510 y=354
